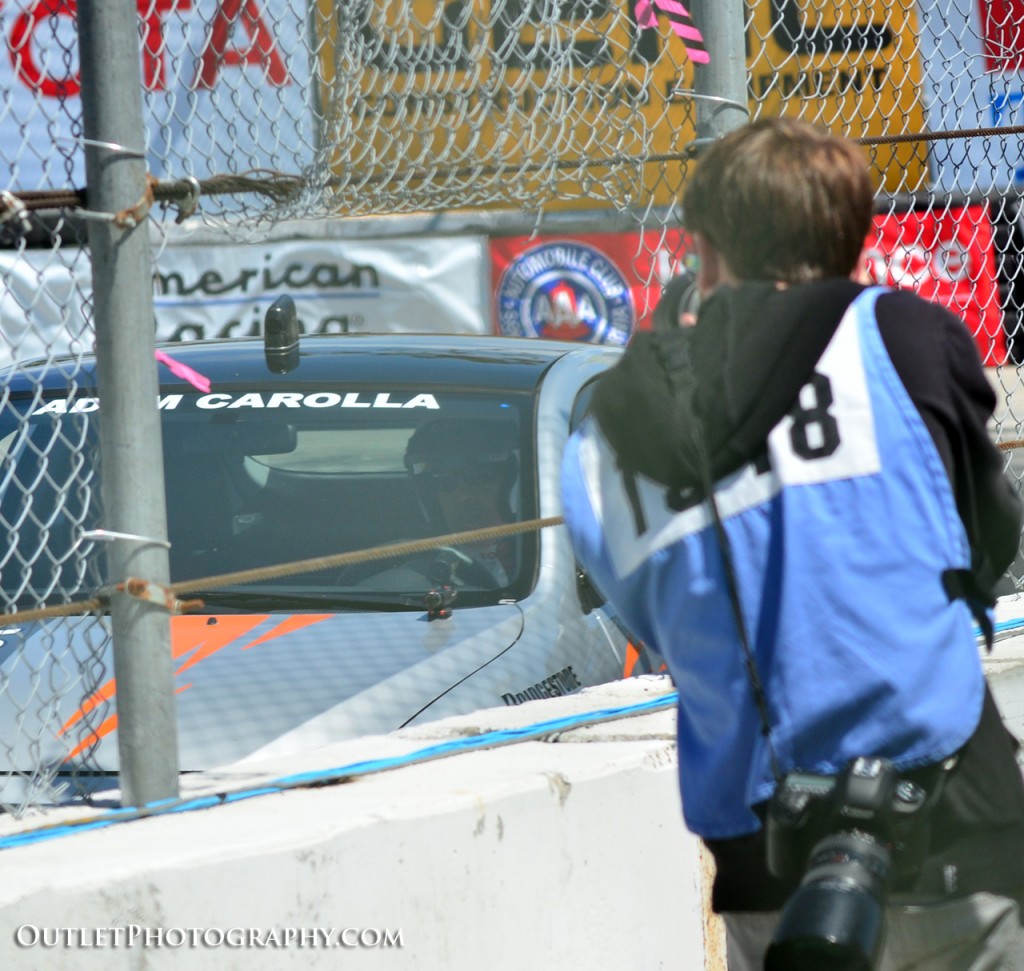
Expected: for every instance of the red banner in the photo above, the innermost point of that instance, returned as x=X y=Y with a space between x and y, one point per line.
x=949 y=257
x=1002 y=32
x=602 y=287
x=595 y=287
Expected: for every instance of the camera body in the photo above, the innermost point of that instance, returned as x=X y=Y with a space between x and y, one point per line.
x=848 y=835
x=867 y=796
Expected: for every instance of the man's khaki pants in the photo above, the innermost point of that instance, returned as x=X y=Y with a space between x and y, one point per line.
x=978 y=933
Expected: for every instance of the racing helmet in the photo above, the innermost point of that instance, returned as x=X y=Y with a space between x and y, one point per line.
x=483 y=450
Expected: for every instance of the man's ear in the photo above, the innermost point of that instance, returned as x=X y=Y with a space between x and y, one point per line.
x=711 y=271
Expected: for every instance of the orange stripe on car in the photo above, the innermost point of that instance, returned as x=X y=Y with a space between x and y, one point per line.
x=105 y=693
x=108 y=725
x=201 y=641
x=632 y=656
x=295 y=622
x=192 y=635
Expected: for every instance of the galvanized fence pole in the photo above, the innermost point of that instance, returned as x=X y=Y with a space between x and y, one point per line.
x=130 y=442
x=721 y=84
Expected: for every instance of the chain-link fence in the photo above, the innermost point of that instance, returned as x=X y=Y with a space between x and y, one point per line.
x=307 y=147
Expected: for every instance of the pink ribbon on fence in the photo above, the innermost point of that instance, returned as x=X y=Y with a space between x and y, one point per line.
x=184 y=372
x=682 y=25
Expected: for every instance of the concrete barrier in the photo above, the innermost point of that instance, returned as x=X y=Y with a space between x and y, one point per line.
x=543 y=836
x=1004 y=666
x=564 y=853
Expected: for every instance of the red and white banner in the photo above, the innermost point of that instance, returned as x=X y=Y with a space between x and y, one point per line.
x=594 y=287
x=226 y=88
x=946 y=256
x=602 y=287
x=972 y=55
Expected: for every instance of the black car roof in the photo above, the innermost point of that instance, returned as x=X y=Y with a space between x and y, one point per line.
x=367 y=359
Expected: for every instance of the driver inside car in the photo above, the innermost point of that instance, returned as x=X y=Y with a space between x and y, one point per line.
x=464 y=471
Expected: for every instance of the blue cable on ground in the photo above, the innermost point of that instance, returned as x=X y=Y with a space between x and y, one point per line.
x=485 y=740
x=343 y=773
x=1004 y=625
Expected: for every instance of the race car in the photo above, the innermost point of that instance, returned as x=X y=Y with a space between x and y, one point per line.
x=346 y=443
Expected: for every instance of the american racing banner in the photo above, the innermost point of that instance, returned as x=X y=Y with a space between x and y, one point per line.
x=202 y=291
x=414 y=285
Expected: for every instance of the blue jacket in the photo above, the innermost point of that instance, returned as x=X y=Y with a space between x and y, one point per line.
x=840 y=537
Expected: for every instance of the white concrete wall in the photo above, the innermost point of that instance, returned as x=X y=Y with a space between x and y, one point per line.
x=1004 y=666
x=553 y=855
x=532 y=856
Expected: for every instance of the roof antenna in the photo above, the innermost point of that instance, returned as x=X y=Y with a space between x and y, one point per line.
x=281 y=336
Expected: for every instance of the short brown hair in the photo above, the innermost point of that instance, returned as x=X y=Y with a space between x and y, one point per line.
x=782 y=200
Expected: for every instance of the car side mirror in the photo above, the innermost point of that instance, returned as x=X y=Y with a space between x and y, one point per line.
x=590 y=597
x=281 y=335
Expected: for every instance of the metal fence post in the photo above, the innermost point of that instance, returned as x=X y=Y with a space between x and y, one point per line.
x=721 y=84
x=130 y=441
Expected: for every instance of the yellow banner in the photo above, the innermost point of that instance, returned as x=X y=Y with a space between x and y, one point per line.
x=483 y=103
x=853 y=66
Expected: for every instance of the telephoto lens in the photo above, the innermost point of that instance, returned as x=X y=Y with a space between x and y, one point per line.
x=835 y=920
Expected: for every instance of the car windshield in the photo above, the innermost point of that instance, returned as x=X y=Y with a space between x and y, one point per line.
x=258 y=478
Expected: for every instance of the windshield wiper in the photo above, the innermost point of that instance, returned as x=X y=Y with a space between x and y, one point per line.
x=274 y=601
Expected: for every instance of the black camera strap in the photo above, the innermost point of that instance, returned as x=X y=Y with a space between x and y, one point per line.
x=673 y=350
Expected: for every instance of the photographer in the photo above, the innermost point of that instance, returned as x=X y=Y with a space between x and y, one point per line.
x=819 y=613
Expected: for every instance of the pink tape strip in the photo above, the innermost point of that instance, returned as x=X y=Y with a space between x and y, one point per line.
x=688 y=33
x=646 y=17
x=184 y=372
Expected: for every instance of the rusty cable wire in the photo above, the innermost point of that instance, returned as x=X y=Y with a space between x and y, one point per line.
x=283 y=188
x=313 y=565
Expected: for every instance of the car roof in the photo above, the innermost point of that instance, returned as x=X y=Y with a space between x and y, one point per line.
x=455 y=360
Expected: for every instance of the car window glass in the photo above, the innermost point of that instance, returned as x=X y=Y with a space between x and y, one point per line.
x=341 y=450
x=581 y=405
x=257 y=478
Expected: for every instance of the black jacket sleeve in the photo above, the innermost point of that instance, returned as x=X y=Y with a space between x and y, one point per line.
x=752 y=349
x=746 y=359
x=938 y=363
x=735 y=374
